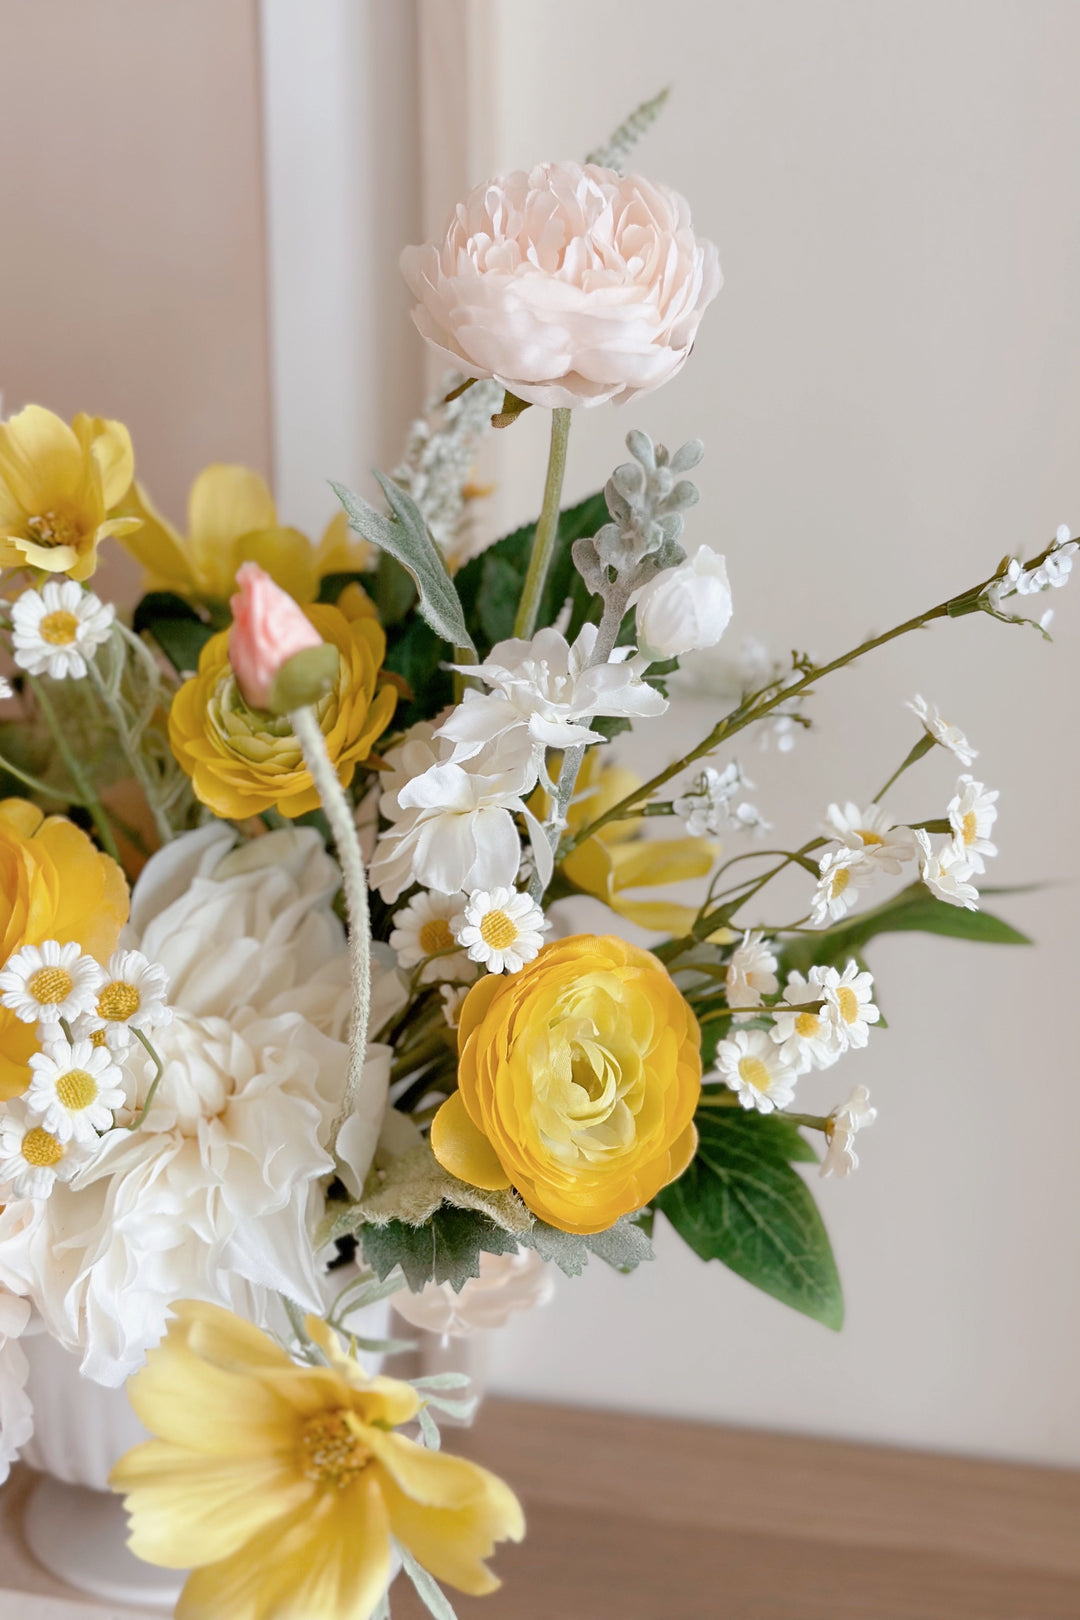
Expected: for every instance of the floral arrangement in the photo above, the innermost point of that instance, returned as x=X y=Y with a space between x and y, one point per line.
x=293 y=1015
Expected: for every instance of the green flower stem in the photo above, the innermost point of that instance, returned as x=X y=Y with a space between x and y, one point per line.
x=923 y=746
x=131 y=752
x=547 y=527
x=308 y=733
x=152 y=1093
x=812 y=1122
x=754 y=708
x=83 y=785
x=36 y=784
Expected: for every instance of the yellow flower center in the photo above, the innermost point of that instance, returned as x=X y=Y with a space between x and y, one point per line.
x=808 y=1025
x=330 y=1453
x=97 y=1038
x=52 y=529
x=969 y=827
x=435 y=936
x=869 y=837
x=50 y=985
x=59 y=629
x=118 y=1001
x=498 y=930
x=840 y=880
x=41 y=1149
x=754 y=1072
x=848 y=1003
x=76 y=1090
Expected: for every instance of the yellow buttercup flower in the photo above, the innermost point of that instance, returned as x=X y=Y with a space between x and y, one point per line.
x=232 y=519
x=281 y=1486
x=578 y=1078
x=243 y=760
x=54 y=884
x=57 y=486
x=618 y=858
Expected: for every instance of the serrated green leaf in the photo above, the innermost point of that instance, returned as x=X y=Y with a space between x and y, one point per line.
x=624 y=1246
x=563 y=1249
x=175 y=626
x=740 y=1202
x=447 y=1248
x=404 y=536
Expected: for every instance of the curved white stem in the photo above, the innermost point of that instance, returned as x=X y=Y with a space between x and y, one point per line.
x=308 y=733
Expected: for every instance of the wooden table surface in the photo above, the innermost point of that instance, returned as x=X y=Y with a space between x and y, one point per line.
x=635 y=1518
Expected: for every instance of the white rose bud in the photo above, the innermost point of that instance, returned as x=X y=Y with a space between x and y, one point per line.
x=684 y=609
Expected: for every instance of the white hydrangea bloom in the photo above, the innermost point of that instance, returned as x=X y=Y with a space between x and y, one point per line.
x=874 y=832
x=845 y=1122
x=56 y=630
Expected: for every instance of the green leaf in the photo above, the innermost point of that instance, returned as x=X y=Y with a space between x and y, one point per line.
x=405 y=537
x=624 y=1246
x=418 y=655
x=914 y=909
x=447 y=1248
x=175 y=626
x=741 y=1202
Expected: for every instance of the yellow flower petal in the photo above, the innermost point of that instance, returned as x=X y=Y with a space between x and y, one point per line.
x=287 y=557
x=447 y=1511
x=227 y=501
x=156 y=545
x=41 y=459
x=109 y=445
x=463 y=1149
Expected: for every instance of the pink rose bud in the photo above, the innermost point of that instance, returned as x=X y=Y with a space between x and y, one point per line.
x=279 y=659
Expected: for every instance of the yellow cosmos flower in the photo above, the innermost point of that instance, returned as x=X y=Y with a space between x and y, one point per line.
x=578 y=1079
x=54 y=884
x=242 y=760
x=57 y=485
x=232 y=519
x=281 y=1486
x=618 y=858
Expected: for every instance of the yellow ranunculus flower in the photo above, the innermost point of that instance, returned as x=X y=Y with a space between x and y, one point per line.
x=280 y=1485
x=241 y=760
x=232 y=519
x=619 y=859
x=578 y=1079
x=57 y=485
x=54 y=884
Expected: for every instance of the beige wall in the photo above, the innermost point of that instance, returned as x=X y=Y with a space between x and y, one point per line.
x=132 y=274
x=888 y=392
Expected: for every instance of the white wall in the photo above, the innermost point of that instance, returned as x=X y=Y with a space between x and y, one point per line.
x=888 y=391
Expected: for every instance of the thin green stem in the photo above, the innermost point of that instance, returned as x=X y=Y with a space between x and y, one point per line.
x=311 y=1351
x=36 y=784
x=923 y=746
x=546 y=529
x=131 y=754
x=152 y=1093
x=812 y=1122
x=83 y=785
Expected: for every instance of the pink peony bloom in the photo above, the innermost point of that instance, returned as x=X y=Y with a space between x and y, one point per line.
x=569 y=284
x=268 y=629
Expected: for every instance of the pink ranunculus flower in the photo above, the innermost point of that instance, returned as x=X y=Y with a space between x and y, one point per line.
x=569 y=284
x=268 y=629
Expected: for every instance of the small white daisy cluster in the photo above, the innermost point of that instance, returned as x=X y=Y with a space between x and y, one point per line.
x=87 y=1017
x=710 y=806
x=1018 y=580
x=947 y=871
x=814 y=1023
x=56 y=630
x=443 y=937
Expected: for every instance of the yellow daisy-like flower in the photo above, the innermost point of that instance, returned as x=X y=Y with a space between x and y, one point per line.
x=578 y=1078
x=57 y=486
x=619 y=859
x=232 y=519
x=281 y=1486
x=243 y=760
x=54 y=884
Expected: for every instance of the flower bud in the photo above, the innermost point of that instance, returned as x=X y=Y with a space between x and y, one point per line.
x=278 y=657
x=684 y=609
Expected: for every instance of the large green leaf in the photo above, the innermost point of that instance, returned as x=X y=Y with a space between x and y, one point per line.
x=447 y=1248
x=741 y=1202
x=913 y=910
x=176 y=627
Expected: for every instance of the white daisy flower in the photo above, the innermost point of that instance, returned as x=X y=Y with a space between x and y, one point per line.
x=844 y=874
x=501 y=928
x=972 y=813
x=942 y=731
x=32 y=1159
x=452 y=996
x=133 y=996
x=872 y=831
x=844 y=1124
x=807 y=1038
x=944 y=873
x=56 y=629
x=47 y=982
x=752 y=1065
x=751 y=973
x=422 y=929
x=75 y=1089
x=847 y=1003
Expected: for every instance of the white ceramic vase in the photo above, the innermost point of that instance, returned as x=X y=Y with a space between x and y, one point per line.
x=74 y=1525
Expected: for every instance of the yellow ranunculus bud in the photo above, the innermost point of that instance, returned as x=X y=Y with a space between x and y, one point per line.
x=54 y=884
x=578 y=1079
x=243 y=760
